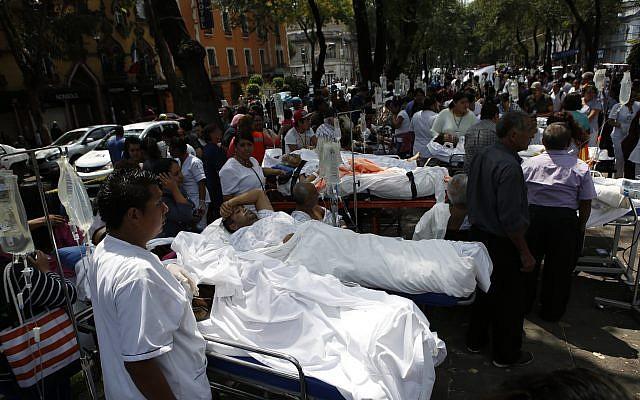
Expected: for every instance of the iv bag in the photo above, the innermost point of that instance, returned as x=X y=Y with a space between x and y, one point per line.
x=279 y=107
x=598 y=79
x=329 y=161
x=15 y=237
x=383 y=82
x=513 y=90
x=625 y=88
x=397 y=87
x=377 y=98
x=336 y=127
x=73 y=196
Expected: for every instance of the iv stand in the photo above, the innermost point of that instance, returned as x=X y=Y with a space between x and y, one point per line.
x=84 y=361
x=353 y=163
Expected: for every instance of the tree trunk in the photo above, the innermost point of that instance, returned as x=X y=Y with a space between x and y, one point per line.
x=593 y=60
x=523 y=48
x=548 y=38
x=536 y=46
x=364 y=42
x=380 y=57
x=189 y=56
x=180 y=97
x=318 y=73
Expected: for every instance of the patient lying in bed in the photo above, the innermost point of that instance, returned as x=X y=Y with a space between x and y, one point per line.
x=433 y=266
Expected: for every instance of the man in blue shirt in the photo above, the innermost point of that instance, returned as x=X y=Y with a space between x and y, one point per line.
x=115 y=145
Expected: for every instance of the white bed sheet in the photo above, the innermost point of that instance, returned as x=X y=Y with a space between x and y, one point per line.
x=403 y=266
x=366 y=343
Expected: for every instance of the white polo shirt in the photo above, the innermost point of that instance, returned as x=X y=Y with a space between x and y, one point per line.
x=300 y=140
x=193 y=172
x=141 y=313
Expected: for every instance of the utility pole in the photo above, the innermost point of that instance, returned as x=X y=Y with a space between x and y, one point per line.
x=303 y=55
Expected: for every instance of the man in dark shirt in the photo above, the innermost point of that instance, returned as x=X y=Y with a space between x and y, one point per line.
x=499 y=216
x=538 y=102
x=214 y=158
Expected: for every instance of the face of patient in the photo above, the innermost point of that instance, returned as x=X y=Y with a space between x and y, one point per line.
x=242 y=217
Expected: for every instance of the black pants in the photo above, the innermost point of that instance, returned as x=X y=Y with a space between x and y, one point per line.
x=555 y=238
x=500 y=310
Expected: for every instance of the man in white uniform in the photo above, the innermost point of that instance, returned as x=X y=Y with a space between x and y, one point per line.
x=150 y=347
x=195 y=180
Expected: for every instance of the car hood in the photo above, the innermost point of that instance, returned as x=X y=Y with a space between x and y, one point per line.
x=42 y=154
x=94 y=158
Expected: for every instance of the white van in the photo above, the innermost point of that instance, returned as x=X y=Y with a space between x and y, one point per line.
x=97 y=163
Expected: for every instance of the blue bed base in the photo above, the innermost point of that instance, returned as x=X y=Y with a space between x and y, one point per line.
x=436 y=299
x=316 y=389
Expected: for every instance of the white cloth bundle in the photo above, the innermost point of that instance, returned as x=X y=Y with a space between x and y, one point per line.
x=367 y=344
x=404 y=266
x=393 y=183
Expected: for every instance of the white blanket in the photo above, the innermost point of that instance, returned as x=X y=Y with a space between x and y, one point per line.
x=404 y=266
x=366 y=343
x=393 y=183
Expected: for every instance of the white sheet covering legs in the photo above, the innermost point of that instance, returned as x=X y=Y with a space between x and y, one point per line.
x=404 y=266
x=368 y=344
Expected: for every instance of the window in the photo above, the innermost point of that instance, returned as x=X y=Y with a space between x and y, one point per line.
x=247 y=57
x=244 y=24
x=155 y=133
x=231 y=56
x=263 y=60
x=97 y=134
x=280 y=57
x=276 y=31
x=261 y=31
x=331 y=50
x=226 y=22
x=211 y=57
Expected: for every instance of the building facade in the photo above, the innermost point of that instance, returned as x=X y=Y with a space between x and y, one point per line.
x=235 y=51
x=617 y=44
x=117 y=78
x=341 y=60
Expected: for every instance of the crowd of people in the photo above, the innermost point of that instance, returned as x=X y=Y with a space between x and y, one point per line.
x=530 y=214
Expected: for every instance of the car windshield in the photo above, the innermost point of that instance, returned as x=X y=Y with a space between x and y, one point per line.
x=133 y=132
x=70 y=137
x=127 y=133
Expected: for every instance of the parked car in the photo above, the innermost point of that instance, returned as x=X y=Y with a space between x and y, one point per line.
x=76 y=143
x=97 y=163
x=16 y=163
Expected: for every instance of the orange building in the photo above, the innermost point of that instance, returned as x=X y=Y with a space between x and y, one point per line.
x=234 y=53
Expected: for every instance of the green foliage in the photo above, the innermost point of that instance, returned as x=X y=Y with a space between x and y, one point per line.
x=252 y=89
x=256 y=79
x=297 y=86
x=278 y=83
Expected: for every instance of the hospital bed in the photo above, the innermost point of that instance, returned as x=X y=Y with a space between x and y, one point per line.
x=234 y=376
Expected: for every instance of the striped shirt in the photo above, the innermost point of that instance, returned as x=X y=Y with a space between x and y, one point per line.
x=46 y=291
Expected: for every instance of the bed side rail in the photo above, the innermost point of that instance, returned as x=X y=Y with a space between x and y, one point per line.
x=300 y=377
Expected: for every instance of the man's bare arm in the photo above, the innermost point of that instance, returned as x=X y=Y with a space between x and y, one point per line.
x=256 y=197
x=149 y=379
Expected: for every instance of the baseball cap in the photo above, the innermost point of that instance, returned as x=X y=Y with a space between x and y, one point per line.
x=300 y=114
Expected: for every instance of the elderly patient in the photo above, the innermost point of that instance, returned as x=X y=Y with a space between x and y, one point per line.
x=558 y=185
x=447 y=221
x=307 y=208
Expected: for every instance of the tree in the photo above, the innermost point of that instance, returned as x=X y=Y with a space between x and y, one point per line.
x=257 y=79
x=189 y=56
x=180 y=96
x=309 y=15
x=37 y=33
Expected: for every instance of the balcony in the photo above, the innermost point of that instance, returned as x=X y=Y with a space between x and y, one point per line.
x=235 y=71
x=267 y=69
x=251 y=69
x=214 y=70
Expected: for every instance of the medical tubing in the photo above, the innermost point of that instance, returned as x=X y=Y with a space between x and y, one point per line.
x=65 y=290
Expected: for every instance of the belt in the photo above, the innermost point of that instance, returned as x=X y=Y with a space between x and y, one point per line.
x=412 y=182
